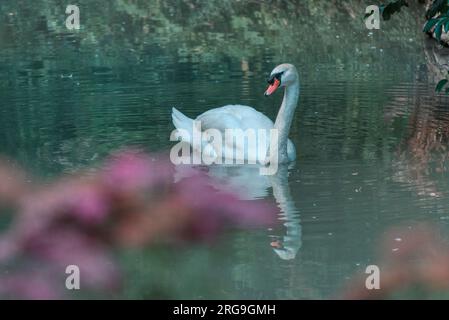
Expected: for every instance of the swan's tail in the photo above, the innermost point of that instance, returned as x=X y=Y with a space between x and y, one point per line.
x=183 y=124
x=186 y=129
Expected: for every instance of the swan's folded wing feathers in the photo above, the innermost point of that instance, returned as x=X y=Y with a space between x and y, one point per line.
x=234 y=117
x=220 y=120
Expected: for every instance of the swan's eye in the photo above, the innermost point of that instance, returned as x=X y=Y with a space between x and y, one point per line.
x=275 y=76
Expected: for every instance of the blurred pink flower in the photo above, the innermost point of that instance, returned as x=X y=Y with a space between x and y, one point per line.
x=79 y=220
x=67 y=246
x=214 y=210
x=32 y=285
x=419 y=260
x=88 y=203
x=132 y=170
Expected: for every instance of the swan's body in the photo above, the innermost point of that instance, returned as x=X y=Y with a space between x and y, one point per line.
x=234 y=117
x=245 y=117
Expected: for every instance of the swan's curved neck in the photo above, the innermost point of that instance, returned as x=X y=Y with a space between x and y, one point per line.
x=284 y=118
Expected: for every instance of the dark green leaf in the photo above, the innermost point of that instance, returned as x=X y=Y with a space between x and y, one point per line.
x=392 y=8
x=437 y=6
x=440 y=85
x=438 y=30
x=446 y=25
x=429 y=25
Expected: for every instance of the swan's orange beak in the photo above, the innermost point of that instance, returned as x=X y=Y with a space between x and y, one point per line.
x=276 y=244
x=273 y=87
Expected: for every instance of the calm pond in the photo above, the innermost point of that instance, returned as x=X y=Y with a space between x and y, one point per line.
x=370 y=132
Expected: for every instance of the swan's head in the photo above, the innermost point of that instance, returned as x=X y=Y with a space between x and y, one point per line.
x=282 y=76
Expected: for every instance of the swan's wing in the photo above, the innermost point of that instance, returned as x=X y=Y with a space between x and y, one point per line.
x=234 y=117
x=219 y=120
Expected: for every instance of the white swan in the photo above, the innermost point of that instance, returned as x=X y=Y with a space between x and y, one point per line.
x=244 y=117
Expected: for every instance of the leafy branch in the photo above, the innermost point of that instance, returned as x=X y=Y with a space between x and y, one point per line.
x=438 y=25
x=438 y=22
x=437 y=7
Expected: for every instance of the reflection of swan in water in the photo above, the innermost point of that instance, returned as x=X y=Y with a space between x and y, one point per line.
x=246 y=181
x=288 y=245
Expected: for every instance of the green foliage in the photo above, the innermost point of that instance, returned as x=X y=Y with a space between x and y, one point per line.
x=438 y=25
x=430 y=24
x=393 y=7
x=437 y=7
x=442 y=84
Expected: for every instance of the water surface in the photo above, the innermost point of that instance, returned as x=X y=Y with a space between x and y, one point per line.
x=370 y=132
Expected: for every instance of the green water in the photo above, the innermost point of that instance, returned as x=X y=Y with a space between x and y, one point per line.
x=367 y=104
